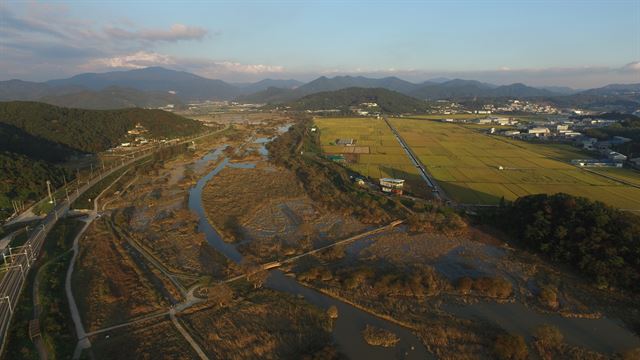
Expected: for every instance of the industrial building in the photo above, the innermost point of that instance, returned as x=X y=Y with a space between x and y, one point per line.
x=393 y=186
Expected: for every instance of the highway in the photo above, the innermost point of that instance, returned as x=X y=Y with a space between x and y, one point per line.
x=18 y=261
x=433 y=185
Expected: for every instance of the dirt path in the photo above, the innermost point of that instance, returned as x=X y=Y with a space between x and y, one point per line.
x=187 y=336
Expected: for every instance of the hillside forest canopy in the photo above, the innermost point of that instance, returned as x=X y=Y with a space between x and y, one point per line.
x=36 y=139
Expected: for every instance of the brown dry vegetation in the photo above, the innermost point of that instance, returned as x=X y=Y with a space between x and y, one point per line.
x=269 y=207
x=153 y=212
x=109 y=286
x=261 y=324
x=156 y=339
x=234 y=193
x=397 y=275
x=379 y=337
x=457 y=339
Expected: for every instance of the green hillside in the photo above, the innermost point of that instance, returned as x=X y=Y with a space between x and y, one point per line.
x=389 y=102
x=35 y=138
x=91 y=130
x=24 y=178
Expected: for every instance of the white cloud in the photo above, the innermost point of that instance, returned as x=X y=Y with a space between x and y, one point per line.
x=138 y=60
x=205 y=67
x=632 y=66
x=247 y=68
x=176 y=32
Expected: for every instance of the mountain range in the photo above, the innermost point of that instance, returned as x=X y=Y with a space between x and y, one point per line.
x=156 y=86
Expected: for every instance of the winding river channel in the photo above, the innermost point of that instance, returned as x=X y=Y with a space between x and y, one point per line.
x=603 y=335
x=347 y=330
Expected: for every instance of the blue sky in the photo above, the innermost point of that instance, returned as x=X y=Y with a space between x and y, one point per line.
x=574 y=43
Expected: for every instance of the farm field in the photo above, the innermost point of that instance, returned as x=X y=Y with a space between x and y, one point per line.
x=376 y=152
x=466 y=165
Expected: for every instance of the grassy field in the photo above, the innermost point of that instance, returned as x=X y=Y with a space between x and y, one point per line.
x=376 y=153
x=466 y=164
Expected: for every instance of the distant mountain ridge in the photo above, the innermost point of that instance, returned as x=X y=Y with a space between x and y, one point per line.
x=114 y=97
x=249 y=88
x=157 y=86
x=186 y=86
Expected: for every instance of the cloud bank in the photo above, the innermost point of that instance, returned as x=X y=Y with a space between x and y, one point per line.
x=41 y=41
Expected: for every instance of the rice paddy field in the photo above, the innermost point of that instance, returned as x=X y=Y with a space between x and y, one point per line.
x=466 y=163
x=376 y=153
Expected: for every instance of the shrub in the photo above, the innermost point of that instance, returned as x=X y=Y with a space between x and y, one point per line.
x=464 y=285
x=511 y=347
x=549 y=297
x=549 y=336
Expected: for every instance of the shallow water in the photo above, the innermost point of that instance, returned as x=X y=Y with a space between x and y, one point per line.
x=602 y=335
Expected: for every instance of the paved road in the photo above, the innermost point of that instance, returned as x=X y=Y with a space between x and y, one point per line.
x=83 y=342
x=422 y=170
x=187 y=336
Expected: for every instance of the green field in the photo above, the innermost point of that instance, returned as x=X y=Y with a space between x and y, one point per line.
x=466 y=164
x=376 y=153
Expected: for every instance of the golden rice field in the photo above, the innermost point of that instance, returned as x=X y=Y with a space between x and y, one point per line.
x=376 y=153
x=466 y=165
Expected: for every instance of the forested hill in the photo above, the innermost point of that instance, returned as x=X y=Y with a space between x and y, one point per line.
x=388 y=101
x=599 y=241
x=89 y=130
x=35 y=138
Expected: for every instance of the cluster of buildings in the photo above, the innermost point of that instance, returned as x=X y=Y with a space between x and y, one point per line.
x=497 y=120
x=136 y=137
x=566 y=130
x=447 y=107
x=610 y=157
x=532 y=131
x=366 y=109
x=526 y=106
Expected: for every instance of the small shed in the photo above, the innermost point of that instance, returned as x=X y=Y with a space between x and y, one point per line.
x=345 y=142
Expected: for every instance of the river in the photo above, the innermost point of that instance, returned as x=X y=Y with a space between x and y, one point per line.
x=347 y=330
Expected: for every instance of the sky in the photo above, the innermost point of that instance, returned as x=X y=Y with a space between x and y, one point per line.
x=576 y=43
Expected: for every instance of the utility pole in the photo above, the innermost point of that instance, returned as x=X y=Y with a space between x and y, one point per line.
x=66 y=190
x=49 y=191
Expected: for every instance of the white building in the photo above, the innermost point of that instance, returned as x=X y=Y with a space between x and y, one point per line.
x=616 y=156
x=539 y=131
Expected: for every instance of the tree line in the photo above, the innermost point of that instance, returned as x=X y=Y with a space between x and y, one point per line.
x=91 y=130
x=599 y=241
